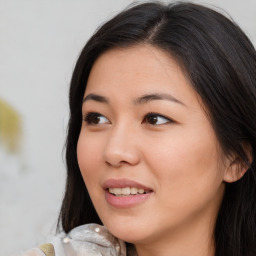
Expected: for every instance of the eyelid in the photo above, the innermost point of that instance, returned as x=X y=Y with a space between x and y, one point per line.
x=88 y=119
x=169 y=120
x=89 y=115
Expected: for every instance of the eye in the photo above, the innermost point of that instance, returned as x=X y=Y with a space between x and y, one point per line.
x=156 y=119
x=93 y=118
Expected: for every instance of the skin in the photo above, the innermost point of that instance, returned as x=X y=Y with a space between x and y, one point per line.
x=178 y=157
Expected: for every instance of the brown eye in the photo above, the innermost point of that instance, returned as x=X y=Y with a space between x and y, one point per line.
x=152 y=119
x=95 y=118
x=156 y=119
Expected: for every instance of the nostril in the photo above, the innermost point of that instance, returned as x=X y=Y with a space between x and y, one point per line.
x=113 y=164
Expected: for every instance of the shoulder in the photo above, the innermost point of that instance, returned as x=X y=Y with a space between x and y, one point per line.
x=42 y=250
x=89 y=239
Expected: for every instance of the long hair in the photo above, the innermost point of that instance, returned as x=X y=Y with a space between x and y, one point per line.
x=220 y=62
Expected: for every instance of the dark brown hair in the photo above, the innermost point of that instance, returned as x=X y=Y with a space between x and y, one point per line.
x=220 y=62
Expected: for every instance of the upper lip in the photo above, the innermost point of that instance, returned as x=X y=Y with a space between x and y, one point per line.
x=123 y=183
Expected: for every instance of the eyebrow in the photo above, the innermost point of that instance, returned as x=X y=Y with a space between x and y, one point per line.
x=141 y=100
x=96 y=97
x=157 y=96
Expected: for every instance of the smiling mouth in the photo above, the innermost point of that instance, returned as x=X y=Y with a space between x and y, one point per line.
x=127 y=191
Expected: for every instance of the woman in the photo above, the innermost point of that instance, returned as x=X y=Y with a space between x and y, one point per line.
x=161 y=139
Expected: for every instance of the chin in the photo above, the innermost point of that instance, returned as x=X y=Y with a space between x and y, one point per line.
x=131 y=232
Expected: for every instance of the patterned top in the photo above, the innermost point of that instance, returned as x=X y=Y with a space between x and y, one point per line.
x=85 y=240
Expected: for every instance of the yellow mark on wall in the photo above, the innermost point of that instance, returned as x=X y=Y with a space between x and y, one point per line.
x=10 y=127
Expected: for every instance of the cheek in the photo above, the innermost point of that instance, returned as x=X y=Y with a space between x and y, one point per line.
x=88 y=158
x=187 y=167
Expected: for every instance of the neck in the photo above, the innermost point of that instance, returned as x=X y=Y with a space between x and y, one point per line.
x=193 y=240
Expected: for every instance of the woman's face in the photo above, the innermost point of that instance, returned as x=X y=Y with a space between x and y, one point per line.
x=147 y=152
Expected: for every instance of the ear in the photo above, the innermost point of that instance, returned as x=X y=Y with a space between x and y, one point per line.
x=235 y=170
x=236 y=166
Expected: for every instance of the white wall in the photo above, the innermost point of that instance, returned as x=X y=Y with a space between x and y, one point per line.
x=39 y=43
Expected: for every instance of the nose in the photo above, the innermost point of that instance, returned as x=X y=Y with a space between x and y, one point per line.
x=121 y=148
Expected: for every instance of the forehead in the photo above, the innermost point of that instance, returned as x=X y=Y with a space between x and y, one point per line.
x=138 y=70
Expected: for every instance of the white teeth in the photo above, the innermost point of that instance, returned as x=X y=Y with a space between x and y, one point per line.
x=116 y=191
x=126 y=191
x=141 y=191
x=134 y=191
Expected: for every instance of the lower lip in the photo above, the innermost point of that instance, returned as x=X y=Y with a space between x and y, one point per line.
x=126 y=201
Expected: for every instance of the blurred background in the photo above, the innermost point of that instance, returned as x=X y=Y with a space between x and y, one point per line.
x=40 y=41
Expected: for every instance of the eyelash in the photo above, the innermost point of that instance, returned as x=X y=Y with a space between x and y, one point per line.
x=152 y=114
x=88 y=118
